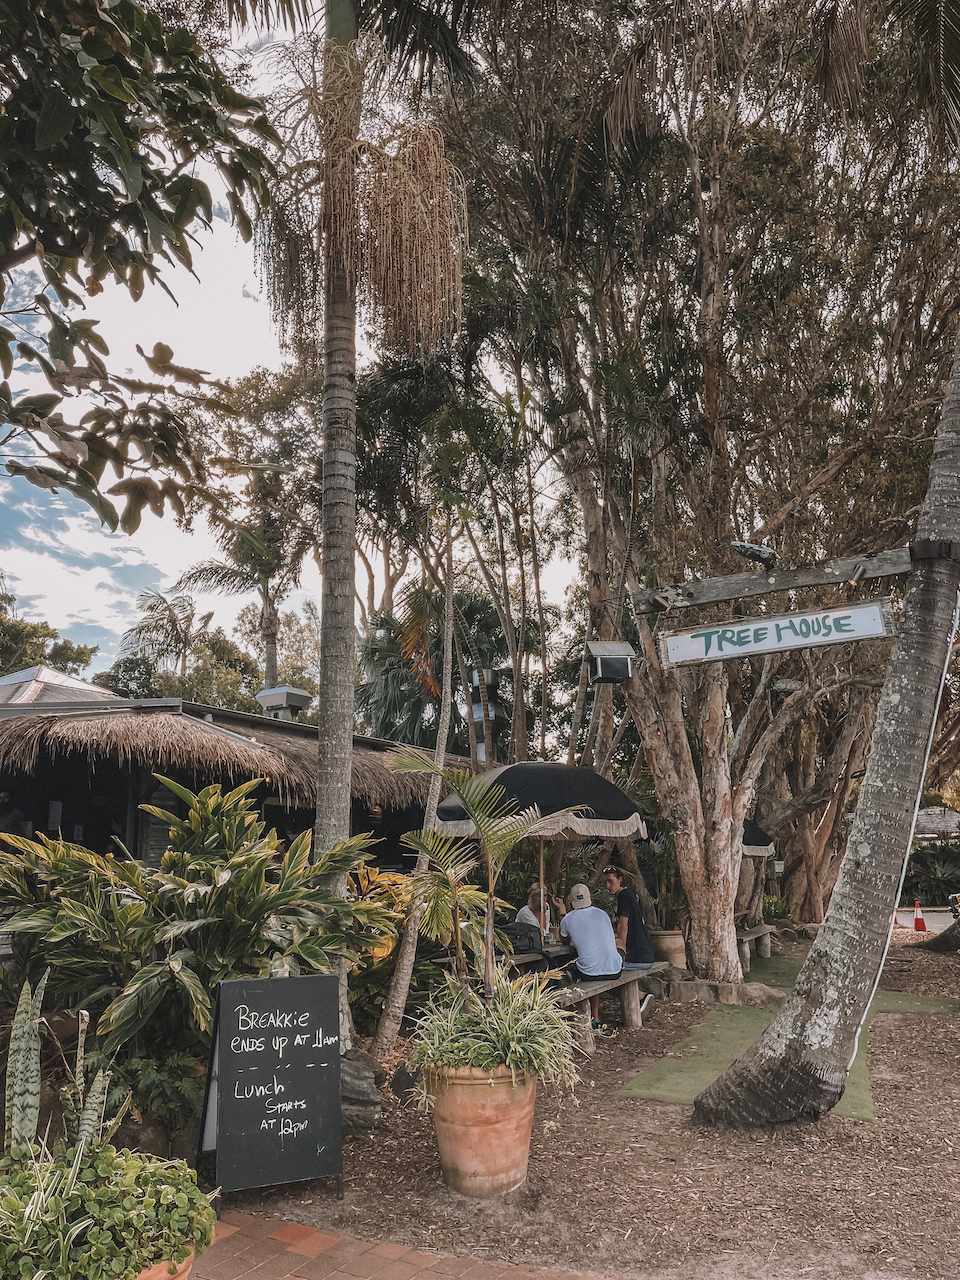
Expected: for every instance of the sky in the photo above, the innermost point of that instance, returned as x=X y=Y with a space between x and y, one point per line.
x=62 y=565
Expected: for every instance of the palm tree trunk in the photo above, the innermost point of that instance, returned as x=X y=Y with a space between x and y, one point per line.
x=339 y=516
x=798 y=1067
x=269 y=632
x=949 y=940
x=388 y=1027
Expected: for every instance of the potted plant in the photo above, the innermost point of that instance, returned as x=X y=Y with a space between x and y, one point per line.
x=481 y=1065
x=84 y=1210
x=482 y=1057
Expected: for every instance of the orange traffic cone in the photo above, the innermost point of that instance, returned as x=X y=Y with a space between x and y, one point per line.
x=918 y=921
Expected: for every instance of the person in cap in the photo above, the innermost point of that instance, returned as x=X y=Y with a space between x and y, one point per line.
x=630 y=927
x=590 y=931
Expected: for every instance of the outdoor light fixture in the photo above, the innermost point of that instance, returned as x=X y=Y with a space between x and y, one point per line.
x=609 y=661
x=857 y=575
x=753 y=551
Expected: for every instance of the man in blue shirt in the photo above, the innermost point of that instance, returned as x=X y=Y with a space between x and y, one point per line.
x=590 y=931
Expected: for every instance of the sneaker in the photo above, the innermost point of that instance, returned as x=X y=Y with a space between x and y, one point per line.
x=645 y=1004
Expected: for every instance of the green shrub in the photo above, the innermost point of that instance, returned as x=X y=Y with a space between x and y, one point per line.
x=95 y=1213
x=775 y=909
x=523 y=1028
x=369 y=984
x=146 y=949
x=933 y=873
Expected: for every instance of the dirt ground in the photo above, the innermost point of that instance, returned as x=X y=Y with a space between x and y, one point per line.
x=628 y=1188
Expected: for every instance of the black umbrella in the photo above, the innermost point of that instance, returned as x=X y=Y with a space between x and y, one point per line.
x=604 y=811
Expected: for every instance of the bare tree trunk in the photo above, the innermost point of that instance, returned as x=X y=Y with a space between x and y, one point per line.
x=388 y=1027
x=798 y=1067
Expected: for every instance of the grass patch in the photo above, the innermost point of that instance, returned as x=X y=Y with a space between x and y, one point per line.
x=729 y=1030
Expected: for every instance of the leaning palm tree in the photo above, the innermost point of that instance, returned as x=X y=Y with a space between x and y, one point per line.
x=169 y=629
x=798 y=1067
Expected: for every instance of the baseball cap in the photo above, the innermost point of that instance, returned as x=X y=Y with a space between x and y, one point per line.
x=579 y=896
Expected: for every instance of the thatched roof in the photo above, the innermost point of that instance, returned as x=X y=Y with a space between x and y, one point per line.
x=163 y=740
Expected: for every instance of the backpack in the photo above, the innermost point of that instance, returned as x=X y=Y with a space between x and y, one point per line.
x=523 y=938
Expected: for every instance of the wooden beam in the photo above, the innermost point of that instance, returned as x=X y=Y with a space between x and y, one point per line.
x=761 y=582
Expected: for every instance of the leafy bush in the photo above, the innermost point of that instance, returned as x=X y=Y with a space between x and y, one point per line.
x=370 y=982
x=93 y=1212
x=933 y=873
x=775 y=909
x=146 y=949
x=84 y=1211
x=169 y=1088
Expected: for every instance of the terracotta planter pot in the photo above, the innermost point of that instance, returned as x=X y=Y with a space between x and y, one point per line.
x=161 y=1271
x=483 y=1122
x=668 y=944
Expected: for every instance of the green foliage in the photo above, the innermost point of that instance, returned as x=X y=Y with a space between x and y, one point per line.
x=22 y=1101
x=94 y=1212
x=169 y=1087
x=147 y=948
x=522 y=1028
x=105 y=115
x=401 y=660
x=370 y=982
x=933 y=873
x=775 y=909
x=443 y=887
x=130 y=677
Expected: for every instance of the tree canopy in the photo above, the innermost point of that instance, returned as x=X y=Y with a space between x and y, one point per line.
x=106 y=114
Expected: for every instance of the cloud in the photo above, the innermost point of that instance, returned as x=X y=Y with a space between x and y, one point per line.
x=65 y=569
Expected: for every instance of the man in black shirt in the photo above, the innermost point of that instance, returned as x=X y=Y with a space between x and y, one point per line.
x=633 y=938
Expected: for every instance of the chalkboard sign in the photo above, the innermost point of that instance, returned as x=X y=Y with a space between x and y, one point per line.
x=272 y=1111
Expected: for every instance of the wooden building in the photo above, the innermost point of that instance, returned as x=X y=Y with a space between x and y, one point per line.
x=79 y=761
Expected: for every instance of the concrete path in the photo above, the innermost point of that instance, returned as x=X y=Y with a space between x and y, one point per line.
x=250 y=1248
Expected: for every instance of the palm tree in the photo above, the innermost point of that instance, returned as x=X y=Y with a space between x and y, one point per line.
x=315 y=254
x=169 y=629
x=499 y=827
x=239 y=580
x=798 y=1067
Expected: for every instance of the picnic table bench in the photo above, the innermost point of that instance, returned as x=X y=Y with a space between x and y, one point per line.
x=760 y=935
x=626 y=984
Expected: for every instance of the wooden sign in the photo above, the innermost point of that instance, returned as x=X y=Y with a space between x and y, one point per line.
x=746 y=637
x=738 y=586
x=272 y=1111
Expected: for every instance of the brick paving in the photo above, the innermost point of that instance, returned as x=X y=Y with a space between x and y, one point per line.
x=247 y=1247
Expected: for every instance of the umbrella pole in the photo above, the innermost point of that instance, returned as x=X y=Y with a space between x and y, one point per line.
x=543 y=909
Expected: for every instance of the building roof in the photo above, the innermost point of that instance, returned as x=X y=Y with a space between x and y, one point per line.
x=45 y=685
x=230 y=746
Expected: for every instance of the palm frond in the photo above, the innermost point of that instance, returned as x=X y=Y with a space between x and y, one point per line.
x=215 y=575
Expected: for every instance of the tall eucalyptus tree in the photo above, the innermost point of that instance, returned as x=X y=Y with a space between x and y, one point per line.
x=798 y=1067
x=722 y=332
